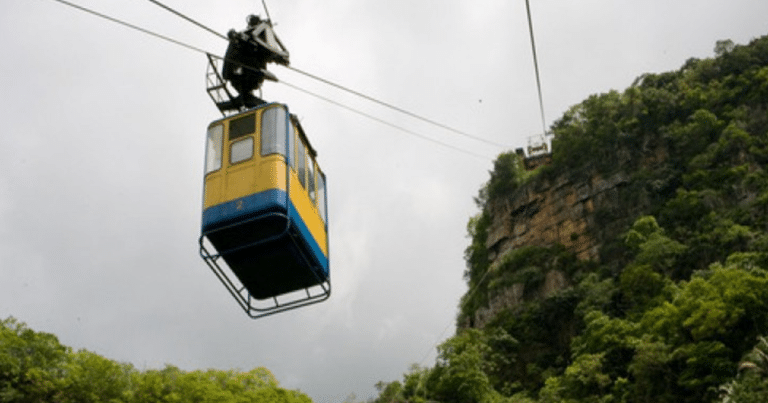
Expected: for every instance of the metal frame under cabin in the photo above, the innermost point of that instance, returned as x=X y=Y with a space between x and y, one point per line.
x=240 y=293
x=258 y=308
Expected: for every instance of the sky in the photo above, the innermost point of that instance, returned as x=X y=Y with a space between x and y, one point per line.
x=101 y=162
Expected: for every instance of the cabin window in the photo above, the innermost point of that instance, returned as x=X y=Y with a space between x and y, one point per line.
x=321 y=195
x=292 y=146
x=241 y=150
x=213 y=148
x=242 y=126
x=302 y=163
x=273 y=131
x=311 y=181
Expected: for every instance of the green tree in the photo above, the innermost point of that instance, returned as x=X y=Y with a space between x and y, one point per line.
x=654 y=377
x=704 y=326
x=641 y=288
x=652 y=246
x=90 y=377
x=751 y=385
x=32 y=364
x=389 y=392
x=583 y=381
x=614 y=339
x=723 y=46
x=460 y=374
x=507 y=175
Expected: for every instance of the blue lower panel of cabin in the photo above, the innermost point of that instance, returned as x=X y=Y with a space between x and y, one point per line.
x=240 y=209
x=270 y=253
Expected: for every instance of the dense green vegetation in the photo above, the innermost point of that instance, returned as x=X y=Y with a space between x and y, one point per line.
x=676 y=308
x=35 y=367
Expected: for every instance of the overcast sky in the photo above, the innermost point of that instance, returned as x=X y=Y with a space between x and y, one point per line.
x=102 y=160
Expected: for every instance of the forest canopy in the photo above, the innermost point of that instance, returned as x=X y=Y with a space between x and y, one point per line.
x=35 y=367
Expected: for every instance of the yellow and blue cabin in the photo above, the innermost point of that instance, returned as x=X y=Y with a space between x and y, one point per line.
x=265 y=210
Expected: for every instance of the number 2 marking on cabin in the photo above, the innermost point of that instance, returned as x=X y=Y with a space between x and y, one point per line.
x=239 y=204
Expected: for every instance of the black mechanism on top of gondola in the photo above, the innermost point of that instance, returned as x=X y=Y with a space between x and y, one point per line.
x=244 y=65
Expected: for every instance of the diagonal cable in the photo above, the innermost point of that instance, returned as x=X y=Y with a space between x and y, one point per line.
x=196 y=49
x=126 y=24
x=382 y=121
x=343 y=88
x=536 y=67
x=157 y=3
x=403 y=111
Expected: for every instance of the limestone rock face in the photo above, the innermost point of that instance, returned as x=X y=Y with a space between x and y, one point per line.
x=564 y=211
x=560 y=211
x=581 y=210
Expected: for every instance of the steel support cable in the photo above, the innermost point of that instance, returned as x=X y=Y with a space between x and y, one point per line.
x=157 y=3
x=395 y=108
x=129 y=25
x=351 y=91
x=536 y=67
x=196 y=49
x=382 y=121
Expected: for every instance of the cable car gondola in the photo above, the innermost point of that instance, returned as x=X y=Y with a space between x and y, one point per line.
x=264 y=207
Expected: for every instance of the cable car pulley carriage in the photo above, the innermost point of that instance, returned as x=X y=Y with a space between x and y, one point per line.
x=265 y=219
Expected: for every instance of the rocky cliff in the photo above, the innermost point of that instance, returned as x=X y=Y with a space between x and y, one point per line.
x=579 y=210
x=549 y=212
